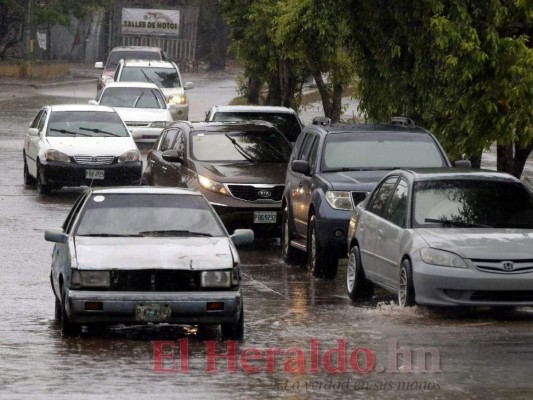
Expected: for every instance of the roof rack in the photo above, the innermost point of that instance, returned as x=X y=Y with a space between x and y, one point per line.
x=321 y=121
x=403 y=121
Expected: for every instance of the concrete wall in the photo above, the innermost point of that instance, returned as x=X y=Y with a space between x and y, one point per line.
x=40 y=70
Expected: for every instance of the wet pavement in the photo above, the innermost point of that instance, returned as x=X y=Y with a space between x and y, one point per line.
x=296 y=325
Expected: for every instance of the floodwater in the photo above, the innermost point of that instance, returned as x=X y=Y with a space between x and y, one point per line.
x=304 y=338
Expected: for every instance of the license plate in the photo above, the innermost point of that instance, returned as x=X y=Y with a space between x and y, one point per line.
x=265 y=217
x=94 y=174
x=152 y=312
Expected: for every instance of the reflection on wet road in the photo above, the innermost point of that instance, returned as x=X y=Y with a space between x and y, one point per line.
x=304 y=338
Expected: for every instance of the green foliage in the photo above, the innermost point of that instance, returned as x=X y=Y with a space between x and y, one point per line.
x=51 y=12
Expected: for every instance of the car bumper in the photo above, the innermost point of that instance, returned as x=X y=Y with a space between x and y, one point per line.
x=145 y=135
x=72 y=174
x=332 y=234
x=243 y=218
x=446 y=286
x=179 y=112
x=186 y=307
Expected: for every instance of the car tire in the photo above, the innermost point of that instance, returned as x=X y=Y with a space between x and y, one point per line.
x=319 y=263
x=68 y=328
x=57 y=310
x=42 y=188
x=357 y=286
x=406 y=290
x=28 y=179
x=290 y=254
x=234 y=331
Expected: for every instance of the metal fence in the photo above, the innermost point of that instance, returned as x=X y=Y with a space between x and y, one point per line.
x=180 y=50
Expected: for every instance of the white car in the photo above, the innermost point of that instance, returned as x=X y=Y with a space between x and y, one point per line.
x=444 y=238
x=141 y=105
x=165 y=74
x=79 y=145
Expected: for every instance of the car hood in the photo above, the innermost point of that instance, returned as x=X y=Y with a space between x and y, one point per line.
x=244 y=172
x=123 y=253
x=143 y=114
x=92 y=145
x=354 y=180
x=481 y=243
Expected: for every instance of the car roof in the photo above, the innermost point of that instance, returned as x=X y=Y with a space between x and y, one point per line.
x=137 y=48
x=80 y=107
x=254 y=108
x=149 y=63
x=427 y=174
x=229 y=126
x=147 y=85
x=365 y=128
x=144 y=190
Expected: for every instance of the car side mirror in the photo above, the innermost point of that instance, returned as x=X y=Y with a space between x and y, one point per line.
x=33 y=132
x=301 y=166
x=55 y=235
x=188 y=85
x=242 y=236
x=462 y=164
x=93 y=102
x=99 y=65
x=173 y=155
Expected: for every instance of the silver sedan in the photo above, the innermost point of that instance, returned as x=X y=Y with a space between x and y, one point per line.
x=444 y=238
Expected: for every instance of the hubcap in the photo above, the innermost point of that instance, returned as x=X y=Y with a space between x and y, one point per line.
x=285 y=235
x=402 y=291
x=312 y=261
x=350 y=273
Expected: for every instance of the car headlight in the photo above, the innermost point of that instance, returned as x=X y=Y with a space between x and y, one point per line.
x=442 y=258
x=158 y=124
x=129 y=156
x=56 y=155
x=209 y=184
x=90 y=279
x=176 y=100
x=215 y=279
x=339 y=200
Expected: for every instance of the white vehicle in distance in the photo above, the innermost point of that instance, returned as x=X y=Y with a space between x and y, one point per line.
x=165 y=74
x=141 y=105
x=79 y=145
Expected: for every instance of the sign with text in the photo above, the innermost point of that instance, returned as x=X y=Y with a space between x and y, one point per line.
x=140 y=21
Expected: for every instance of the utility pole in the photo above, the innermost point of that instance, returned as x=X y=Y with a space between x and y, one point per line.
x=28 y=40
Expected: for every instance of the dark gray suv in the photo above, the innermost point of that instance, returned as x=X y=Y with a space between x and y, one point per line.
x=332 y=168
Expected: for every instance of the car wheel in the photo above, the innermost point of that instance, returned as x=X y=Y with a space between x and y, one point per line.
x=319 y=263
x=234 y=331
x=290 y=254
x=57 y=310
x=42 y=188
x=357 y=286
x=28 y=179
x=68 y=328
x=406 y=290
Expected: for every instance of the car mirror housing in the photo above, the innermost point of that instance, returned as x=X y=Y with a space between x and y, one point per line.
x=33 y=132
x=173 y=155
x=93 y=102
x=99 y=65
x=55 y=235
x=301 y=166
x=188 y=85
x=242 y=236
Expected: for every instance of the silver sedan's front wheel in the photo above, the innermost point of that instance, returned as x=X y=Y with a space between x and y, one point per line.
x=406 y=291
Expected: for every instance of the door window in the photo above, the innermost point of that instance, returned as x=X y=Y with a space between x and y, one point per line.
x=380 y=199
x=397 y=210
x=169 y=139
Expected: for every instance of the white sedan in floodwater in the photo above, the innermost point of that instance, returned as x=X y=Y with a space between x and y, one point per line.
x=141 y=105
x=444 y=238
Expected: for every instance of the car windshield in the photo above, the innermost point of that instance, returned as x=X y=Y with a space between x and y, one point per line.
x=286 y=123
x=162 y=77
x=116 y=56
x=86 y=123
x=472 y=203
x=380 y=150
x=148 y=215
x=256 y=147
x=132 y=97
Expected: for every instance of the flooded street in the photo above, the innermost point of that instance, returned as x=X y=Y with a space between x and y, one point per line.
x=303 y=337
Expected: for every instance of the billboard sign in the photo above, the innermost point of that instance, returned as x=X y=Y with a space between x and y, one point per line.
x=140 y=21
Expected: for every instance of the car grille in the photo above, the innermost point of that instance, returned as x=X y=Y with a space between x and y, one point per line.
x=502 y=295
x=358 y=197
x=155 y=280
x=136 y=124
x=94 y=160
x=504 y=266
x=257 y=192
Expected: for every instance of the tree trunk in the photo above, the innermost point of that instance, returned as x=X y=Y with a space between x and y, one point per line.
x=288 y=84
x=504 y=158
x=253 y=90
x=336 y=107
x=322 y=87
x=274 y=89
x=520 y=158
x=475 y=161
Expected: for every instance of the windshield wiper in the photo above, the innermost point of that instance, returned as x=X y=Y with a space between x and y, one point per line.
x=449 y=222
x=147 y=77
x=346 y=169
x=137 y=99
x=96 y=130
x=111 y=235
x=240 y=149
x=278 y=152
x=69 y=132
x=172 y=232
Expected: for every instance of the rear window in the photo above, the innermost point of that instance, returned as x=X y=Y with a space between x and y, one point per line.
x=116 y=56
x=132 y=97
x=381 y=150
x=162 y=77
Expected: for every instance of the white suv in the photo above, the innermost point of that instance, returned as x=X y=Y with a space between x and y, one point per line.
x=78 y=145
x=165 y=74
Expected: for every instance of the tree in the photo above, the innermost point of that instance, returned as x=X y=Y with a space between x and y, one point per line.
x=464 y=68
x=12 y=16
